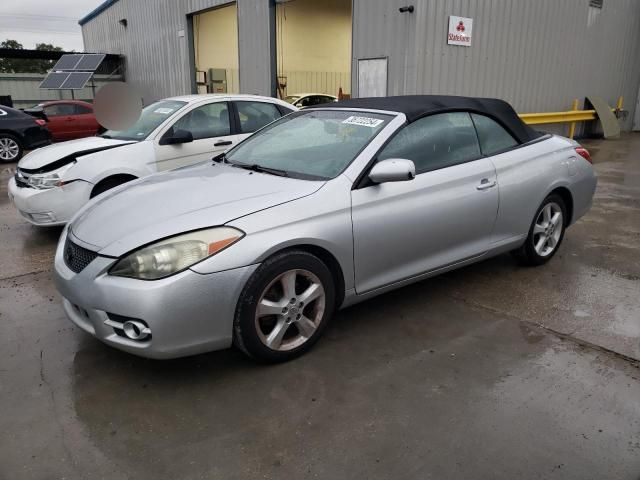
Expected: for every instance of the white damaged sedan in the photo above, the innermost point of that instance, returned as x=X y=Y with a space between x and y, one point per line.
x=53 y=183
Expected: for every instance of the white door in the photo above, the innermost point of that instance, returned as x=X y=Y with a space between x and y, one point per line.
x=210 y=126
x=372 y=77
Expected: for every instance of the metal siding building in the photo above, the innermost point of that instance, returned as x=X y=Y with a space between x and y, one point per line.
x=157 y=49
x=538 y=55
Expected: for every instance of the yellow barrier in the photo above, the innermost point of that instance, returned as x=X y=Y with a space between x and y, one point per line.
x=571 y=117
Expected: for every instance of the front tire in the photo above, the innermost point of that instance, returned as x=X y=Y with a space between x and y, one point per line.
x=284 y=307
x=10 y=148
x=546 y=232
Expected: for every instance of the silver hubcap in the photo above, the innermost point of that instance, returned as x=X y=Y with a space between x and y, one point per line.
x=547 y=229
x=8 y=149
x=290 y=310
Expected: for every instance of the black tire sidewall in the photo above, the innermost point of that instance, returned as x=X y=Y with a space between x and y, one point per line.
x=20 y=148
x=245 y=334
x=532 y=256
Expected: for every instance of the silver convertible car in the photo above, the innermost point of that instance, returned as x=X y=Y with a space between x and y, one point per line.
x=319 y=210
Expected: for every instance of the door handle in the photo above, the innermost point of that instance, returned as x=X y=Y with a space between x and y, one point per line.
x=223 y=143
x=486 y=184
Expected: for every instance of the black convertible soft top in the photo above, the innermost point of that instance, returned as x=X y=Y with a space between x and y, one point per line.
x=418 y=106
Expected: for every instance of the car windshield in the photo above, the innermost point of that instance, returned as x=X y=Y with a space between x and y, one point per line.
x=291 y=98
x=150 y=118
x=316 y=144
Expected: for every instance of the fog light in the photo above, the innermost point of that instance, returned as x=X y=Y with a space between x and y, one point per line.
x=136 y=330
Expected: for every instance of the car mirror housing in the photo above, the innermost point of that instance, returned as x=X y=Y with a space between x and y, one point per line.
x=177 y=137
x=393 y=170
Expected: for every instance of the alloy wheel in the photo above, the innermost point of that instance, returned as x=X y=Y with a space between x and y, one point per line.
x=290 y=310
x=547 y=229
x=9 y=149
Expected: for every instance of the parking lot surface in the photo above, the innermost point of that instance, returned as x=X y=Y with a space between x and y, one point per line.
x=492 y=371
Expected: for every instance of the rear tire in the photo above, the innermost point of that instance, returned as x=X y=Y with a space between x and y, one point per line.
x=10 y=148
x=284 y=307
x=545 y=234
x=109 y=183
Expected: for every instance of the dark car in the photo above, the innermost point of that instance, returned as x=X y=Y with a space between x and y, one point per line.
x=67 y=119
x=19 y=132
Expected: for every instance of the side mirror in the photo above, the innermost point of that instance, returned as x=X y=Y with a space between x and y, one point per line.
x=393 y=170
x=174 y=137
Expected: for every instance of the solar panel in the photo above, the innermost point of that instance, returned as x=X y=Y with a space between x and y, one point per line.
x=90 y=62
x=68 y=62
x=76 y=80
x=54 y=80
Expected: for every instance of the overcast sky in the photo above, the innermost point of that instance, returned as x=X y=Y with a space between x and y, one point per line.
x=44 y=21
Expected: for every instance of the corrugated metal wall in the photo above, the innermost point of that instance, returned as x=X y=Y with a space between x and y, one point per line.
x=538 y=55
x=156 y=49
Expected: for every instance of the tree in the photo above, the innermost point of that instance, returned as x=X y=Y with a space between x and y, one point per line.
x=27 y=65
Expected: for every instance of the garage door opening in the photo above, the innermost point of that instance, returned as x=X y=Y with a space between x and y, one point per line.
x=215 y=50
x=313 y=43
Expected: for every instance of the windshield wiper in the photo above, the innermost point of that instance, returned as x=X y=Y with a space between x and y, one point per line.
x=258 y=168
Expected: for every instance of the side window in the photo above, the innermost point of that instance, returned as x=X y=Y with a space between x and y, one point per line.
x=60 y=109
x=206 y=121
x=82 y=110
x=435 y=142
x=255 y=115
x=493 y=138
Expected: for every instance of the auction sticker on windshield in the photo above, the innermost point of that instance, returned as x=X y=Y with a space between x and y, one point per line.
x=163 y=111
x=363 y=121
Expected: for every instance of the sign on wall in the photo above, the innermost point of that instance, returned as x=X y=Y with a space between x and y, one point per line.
x=459 y=31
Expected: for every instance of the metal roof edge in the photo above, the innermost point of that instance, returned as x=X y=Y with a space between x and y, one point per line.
x=97 y=11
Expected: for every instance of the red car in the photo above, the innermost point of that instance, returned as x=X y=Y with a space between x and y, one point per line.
x=67 y=119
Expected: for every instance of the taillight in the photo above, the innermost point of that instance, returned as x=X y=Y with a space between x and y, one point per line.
x=40 y=122
x=584 y=153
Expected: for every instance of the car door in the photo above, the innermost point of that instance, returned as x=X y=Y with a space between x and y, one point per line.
x=444 y=216
x=86 y=124
x=210 y=127
x=253 y=115
x=60 y=120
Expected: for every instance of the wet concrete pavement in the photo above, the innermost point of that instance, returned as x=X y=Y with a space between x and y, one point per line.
x=492 y=371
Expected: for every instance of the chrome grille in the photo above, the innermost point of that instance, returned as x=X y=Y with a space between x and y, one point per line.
x=77 y=257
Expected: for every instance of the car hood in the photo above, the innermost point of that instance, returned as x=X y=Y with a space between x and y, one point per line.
x=42 y=157
x=178 y=201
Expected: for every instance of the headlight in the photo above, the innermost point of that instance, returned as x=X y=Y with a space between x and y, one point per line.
x=175 y=254
x=53 y=179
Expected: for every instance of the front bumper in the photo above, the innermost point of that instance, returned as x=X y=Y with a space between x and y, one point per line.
x=187 y=313
x=53 y=206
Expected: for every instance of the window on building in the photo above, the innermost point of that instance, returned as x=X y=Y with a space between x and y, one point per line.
x=255 y=115
x=436 y=141
x=493 y=138
x=206 y=121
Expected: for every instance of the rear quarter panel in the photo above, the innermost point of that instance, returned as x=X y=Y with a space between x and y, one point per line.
x=525 y=177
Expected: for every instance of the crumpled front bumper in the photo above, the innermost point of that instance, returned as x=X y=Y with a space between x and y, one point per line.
x=50 y=207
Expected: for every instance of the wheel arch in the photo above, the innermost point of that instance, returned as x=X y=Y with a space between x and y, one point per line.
x=328 y=258
x=125 y=177
x=567 y=197
x=17 y=135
